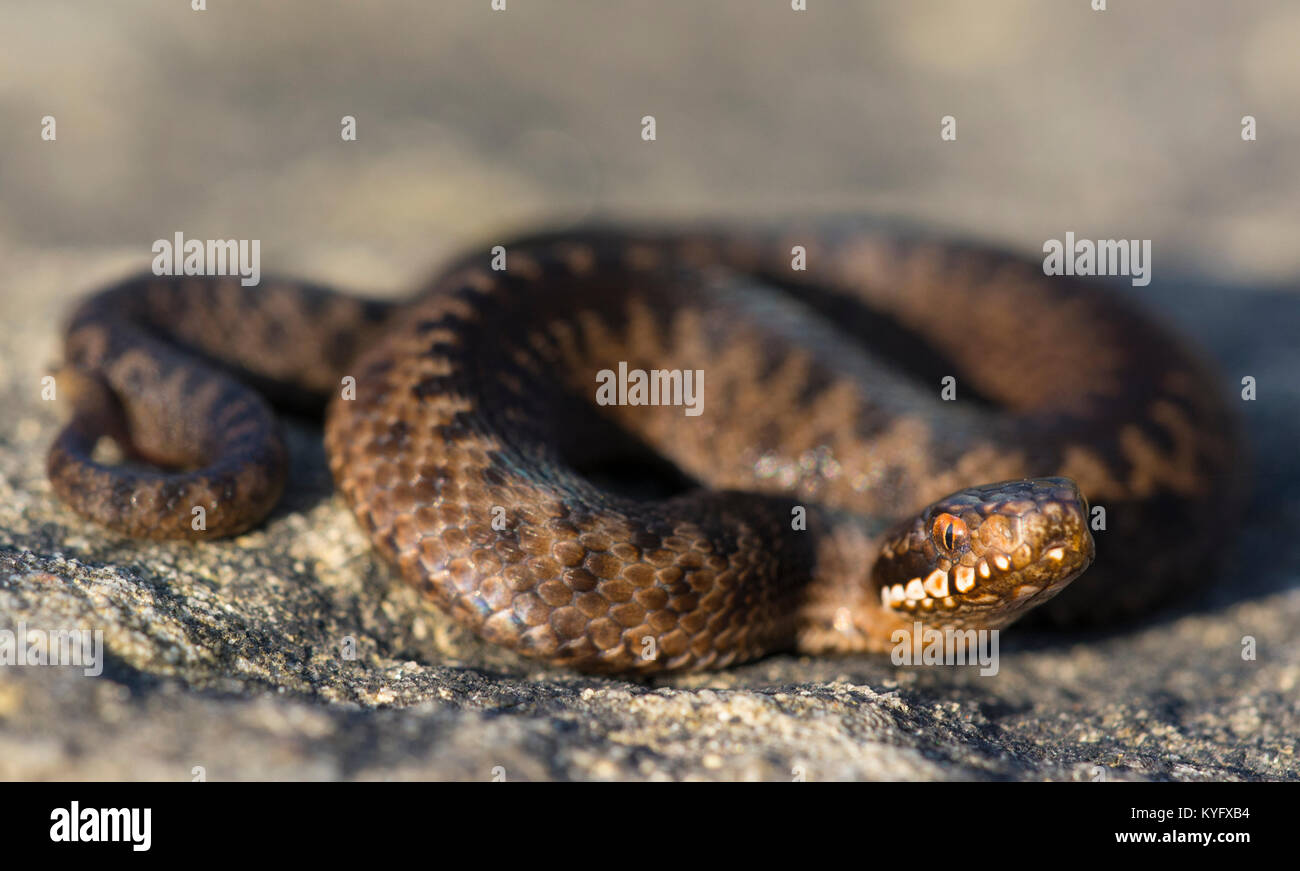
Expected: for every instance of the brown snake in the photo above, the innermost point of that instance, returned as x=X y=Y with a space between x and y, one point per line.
x=826 y=494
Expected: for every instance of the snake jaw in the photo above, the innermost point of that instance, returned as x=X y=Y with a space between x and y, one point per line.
x=983 y=556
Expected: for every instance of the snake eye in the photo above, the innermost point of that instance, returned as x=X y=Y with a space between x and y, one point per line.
x=948 y=531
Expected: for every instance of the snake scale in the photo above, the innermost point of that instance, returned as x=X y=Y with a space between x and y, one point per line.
x=827 y=492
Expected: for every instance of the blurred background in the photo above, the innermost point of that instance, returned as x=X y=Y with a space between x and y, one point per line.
x=225 y=123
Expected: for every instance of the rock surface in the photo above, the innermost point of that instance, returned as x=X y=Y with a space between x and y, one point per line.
x=226 y=660
x=230 y=656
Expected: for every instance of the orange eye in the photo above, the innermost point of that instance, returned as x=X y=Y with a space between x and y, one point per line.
x=948 y=531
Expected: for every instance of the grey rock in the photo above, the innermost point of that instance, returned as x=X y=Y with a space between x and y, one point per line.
x=227 y=659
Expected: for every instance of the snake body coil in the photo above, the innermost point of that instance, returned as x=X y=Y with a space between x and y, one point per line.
x=833 y=487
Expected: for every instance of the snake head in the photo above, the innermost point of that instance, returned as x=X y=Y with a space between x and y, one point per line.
x=983 y=556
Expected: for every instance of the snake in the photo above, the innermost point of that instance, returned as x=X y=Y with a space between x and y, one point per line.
x=639 y=449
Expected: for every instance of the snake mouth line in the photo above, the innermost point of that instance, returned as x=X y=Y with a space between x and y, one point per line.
x=932 y=593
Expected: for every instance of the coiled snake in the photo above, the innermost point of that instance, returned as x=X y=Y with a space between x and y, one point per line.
x=857 y=394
